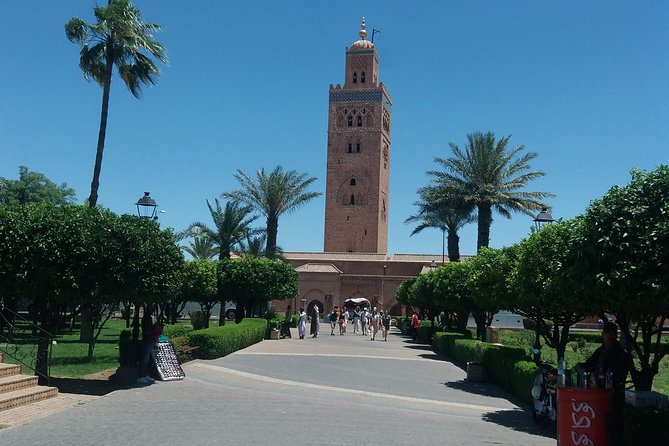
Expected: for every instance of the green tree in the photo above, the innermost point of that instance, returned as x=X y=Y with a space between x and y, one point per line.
x=624 y=264
x=404 y=292
x=232 y=224
x=118 y=38
x=252 y=281
x=448 y=216
x=545 y=287
x=273 y=195
x=490 y=176
x=452 y=293
x=34 y=187
x=201 y=247
x=200 y=284
x=489 y=280
x=60 y=256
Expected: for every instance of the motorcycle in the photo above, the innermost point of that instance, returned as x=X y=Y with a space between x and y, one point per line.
x=544 y=394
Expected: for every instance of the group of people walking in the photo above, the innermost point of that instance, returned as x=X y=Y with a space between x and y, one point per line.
x=365 y=322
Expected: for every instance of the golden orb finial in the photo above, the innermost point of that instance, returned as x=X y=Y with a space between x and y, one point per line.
x=363 y=33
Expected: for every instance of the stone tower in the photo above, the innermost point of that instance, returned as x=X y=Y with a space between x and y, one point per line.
x=358 y=162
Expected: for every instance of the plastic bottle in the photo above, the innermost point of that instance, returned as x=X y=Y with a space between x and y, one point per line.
x=584 y=380
x=609 y=378
x=561 y=378
x=573 y=377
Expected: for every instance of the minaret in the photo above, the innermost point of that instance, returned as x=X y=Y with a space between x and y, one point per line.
x=358 y=161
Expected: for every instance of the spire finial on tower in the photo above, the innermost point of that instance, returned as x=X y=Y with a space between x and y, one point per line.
x=363 y=33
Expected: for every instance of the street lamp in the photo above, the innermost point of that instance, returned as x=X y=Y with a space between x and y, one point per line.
x=146 y=207
x=542 y=218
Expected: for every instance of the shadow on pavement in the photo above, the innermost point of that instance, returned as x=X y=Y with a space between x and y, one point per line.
x=479 y=388
x=521 y=420
x=97 y=387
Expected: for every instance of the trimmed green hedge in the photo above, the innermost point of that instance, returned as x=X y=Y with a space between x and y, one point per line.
x=511 y=369
x=444 y=341
x=646 y=426
x=213 y=342
x=217 y=342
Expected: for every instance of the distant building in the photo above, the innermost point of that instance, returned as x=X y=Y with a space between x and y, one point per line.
x=355 y=263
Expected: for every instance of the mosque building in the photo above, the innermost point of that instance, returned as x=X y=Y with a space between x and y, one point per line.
x=355 y=267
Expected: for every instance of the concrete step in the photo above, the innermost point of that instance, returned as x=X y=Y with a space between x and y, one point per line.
x=9 y=369
x=28 y=395
x=15 y=382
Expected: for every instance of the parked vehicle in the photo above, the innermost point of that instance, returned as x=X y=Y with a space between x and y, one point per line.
x=544 y=392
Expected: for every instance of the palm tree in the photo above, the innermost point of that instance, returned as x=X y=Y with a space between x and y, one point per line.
x=255 y=245
x=449 y=217
x=490 y=177
x=273 y=195
x=232 y=224
x=201 y=247
x=117 y=38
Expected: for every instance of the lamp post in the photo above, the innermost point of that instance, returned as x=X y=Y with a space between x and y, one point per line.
x=146 y=207
x=542 y=218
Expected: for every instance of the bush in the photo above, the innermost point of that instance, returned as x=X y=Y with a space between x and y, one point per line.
x=176 y=330
x=217 y=342
x=644 y=426
x=425 y=333
x=444 y=342
x=523 y=379
x=500 y=361
x=197 y=320
x=529 y=324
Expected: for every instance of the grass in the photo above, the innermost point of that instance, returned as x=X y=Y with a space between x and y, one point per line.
x=578 y=352
x=68 y=355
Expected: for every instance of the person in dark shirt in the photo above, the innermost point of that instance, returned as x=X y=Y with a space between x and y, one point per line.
x=608 y=367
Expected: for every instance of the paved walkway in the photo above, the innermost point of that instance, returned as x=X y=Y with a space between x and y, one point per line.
x=330 y=390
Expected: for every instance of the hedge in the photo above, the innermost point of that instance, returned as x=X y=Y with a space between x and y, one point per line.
x=216 y=342
x=211 y=343
x=511 y=369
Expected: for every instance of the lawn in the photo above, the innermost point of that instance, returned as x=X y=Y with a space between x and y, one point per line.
x=68 y=355
x=577 y=352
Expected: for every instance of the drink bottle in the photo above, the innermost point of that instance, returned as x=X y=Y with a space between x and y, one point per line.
x=609 y=379
x=561 y=376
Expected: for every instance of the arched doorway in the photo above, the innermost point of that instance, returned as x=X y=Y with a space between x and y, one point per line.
x=310 y=307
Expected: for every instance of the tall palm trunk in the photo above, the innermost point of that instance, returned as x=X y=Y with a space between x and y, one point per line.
x=95 y=184
x=272 y=230
x=484 y=223
x=453 y=246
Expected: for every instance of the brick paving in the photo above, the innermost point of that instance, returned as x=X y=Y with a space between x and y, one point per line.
x=39 y=409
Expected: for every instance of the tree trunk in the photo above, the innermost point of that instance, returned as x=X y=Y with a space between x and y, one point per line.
x=221 y=314
x=86 y=326
x=272 y=230
x=463 y=318
x=479 y=317
x=453 y=247
x=106 y=87
x=48 y=324
x=484 y=223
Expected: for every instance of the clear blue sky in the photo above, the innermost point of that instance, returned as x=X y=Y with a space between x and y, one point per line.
x=584 y=84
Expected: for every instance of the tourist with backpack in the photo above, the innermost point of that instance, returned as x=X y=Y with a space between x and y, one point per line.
x=363 y=321
x=374 y=322
x=334 y=317
x=385 y=325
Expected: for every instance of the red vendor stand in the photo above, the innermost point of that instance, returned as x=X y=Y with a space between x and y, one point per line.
x=582 y=416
